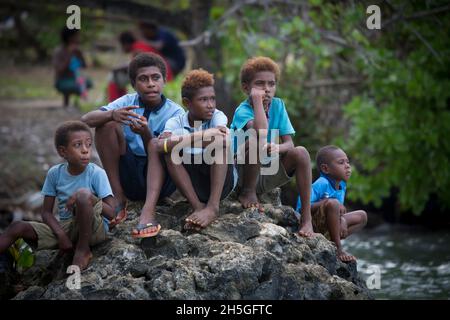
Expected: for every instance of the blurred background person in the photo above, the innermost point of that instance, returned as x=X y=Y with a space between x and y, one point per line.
x=165 y=42
x=68 y=60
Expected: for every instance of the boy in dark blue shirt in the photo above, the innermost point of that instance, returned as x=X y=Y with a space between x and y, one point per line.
x=124 y=129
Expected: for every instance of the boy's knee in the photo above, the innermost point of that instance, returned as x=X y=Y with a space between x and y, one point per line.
x=302 y=153
x=332 y=205
x=83 y=196
x=17 y=228
x=108 y=126
x=363 y=217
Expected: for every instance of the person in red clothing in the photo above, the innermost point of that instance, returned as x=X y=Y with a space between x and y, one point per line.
x=117 y=86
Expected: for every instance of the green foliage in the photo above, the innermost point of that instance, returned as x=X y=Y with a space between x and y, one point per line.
x=398 y=136
x=395 y=123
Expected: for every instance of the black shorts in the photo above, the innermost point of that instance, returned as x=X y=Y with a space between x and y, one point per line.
x=133 y=177
x=200 y=176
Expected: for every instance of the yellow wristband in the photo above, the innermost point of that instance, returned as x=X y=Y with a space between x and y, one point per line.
x=165 y=146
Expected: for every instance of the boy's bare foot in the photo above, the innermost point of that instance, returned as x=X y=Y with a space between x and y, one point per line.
x=306 y=229
x=82 y=259
x=249 y=199
x=344 y=256
x=204 y=217
x=190 y=225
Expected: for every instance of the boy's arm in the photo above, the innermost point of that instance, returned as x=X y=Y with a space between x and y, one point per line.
x=108 y=207
x=167 y=141
x=98 y=118
x=49 y=219
x=260 y=122
x=286 y=144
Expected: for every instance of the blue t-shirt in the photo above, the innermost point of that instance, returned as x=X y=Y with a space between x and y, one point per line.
x=179 y=126
x=278 y=119
x=61 y=184
x=156 y=121
x=323 y=188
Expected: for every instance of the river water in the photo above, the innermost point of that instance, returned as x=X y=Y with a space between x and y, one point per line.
x=403 y=262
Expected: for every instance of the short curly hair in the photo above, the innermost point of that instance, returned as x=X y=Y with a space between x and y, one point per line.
x=64 y=130
x=143 y=60
x=258 y=64
x=324 y=155
x=196 y=79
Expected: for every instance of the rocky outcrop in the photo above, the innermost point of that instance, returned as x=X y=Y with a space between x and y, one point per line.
x=242 y=255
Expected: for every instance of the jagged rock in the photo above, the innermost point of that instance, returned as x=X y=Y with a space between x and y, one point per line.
x=242 y=255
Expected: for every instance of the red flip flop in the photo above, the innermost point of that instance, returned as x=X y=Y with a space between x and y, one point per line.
x=121 y=215
x=139 y=231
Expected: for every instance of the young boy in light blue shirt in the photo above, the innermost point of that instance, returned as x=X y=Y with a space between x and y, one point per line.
x=329 y=215
x=85 y=201
x=263 y=115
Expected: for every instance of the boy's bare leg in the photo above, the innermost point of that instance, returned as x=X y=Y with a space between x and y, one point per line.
x=247 y=196
x=218 y=176
x=297 y=159
x=355 y=221
x=83 y=215
x=334 y=228
x=183 y=182
x=110 y=144
x=155 y=181
x=17 y=229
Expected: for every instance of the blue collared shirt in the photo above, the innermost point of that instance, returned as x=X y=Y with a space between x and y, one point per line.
x=323 y=188
x=180 y=126
x=156 y=121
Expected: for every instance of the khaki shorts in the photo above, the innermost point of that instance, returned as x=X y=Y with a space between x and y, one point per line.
x=267 y=183
x=319 y=221
x=48 y=240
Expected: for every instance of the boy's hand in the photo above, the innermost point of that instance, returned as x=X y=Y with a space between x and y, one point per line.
x=123 y=115
x=272 y=148
x=257 y=95
x=65 y=245
x=214 y=132
x=342 y=210
x=224 y=129
x=139 y=125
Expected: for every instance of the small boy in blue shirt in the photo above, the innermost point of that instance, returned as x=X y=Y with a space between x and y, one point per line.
x=85 y=200
x=203 y=181
x=263 y=114
x=125 y=127
x=329 y=216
